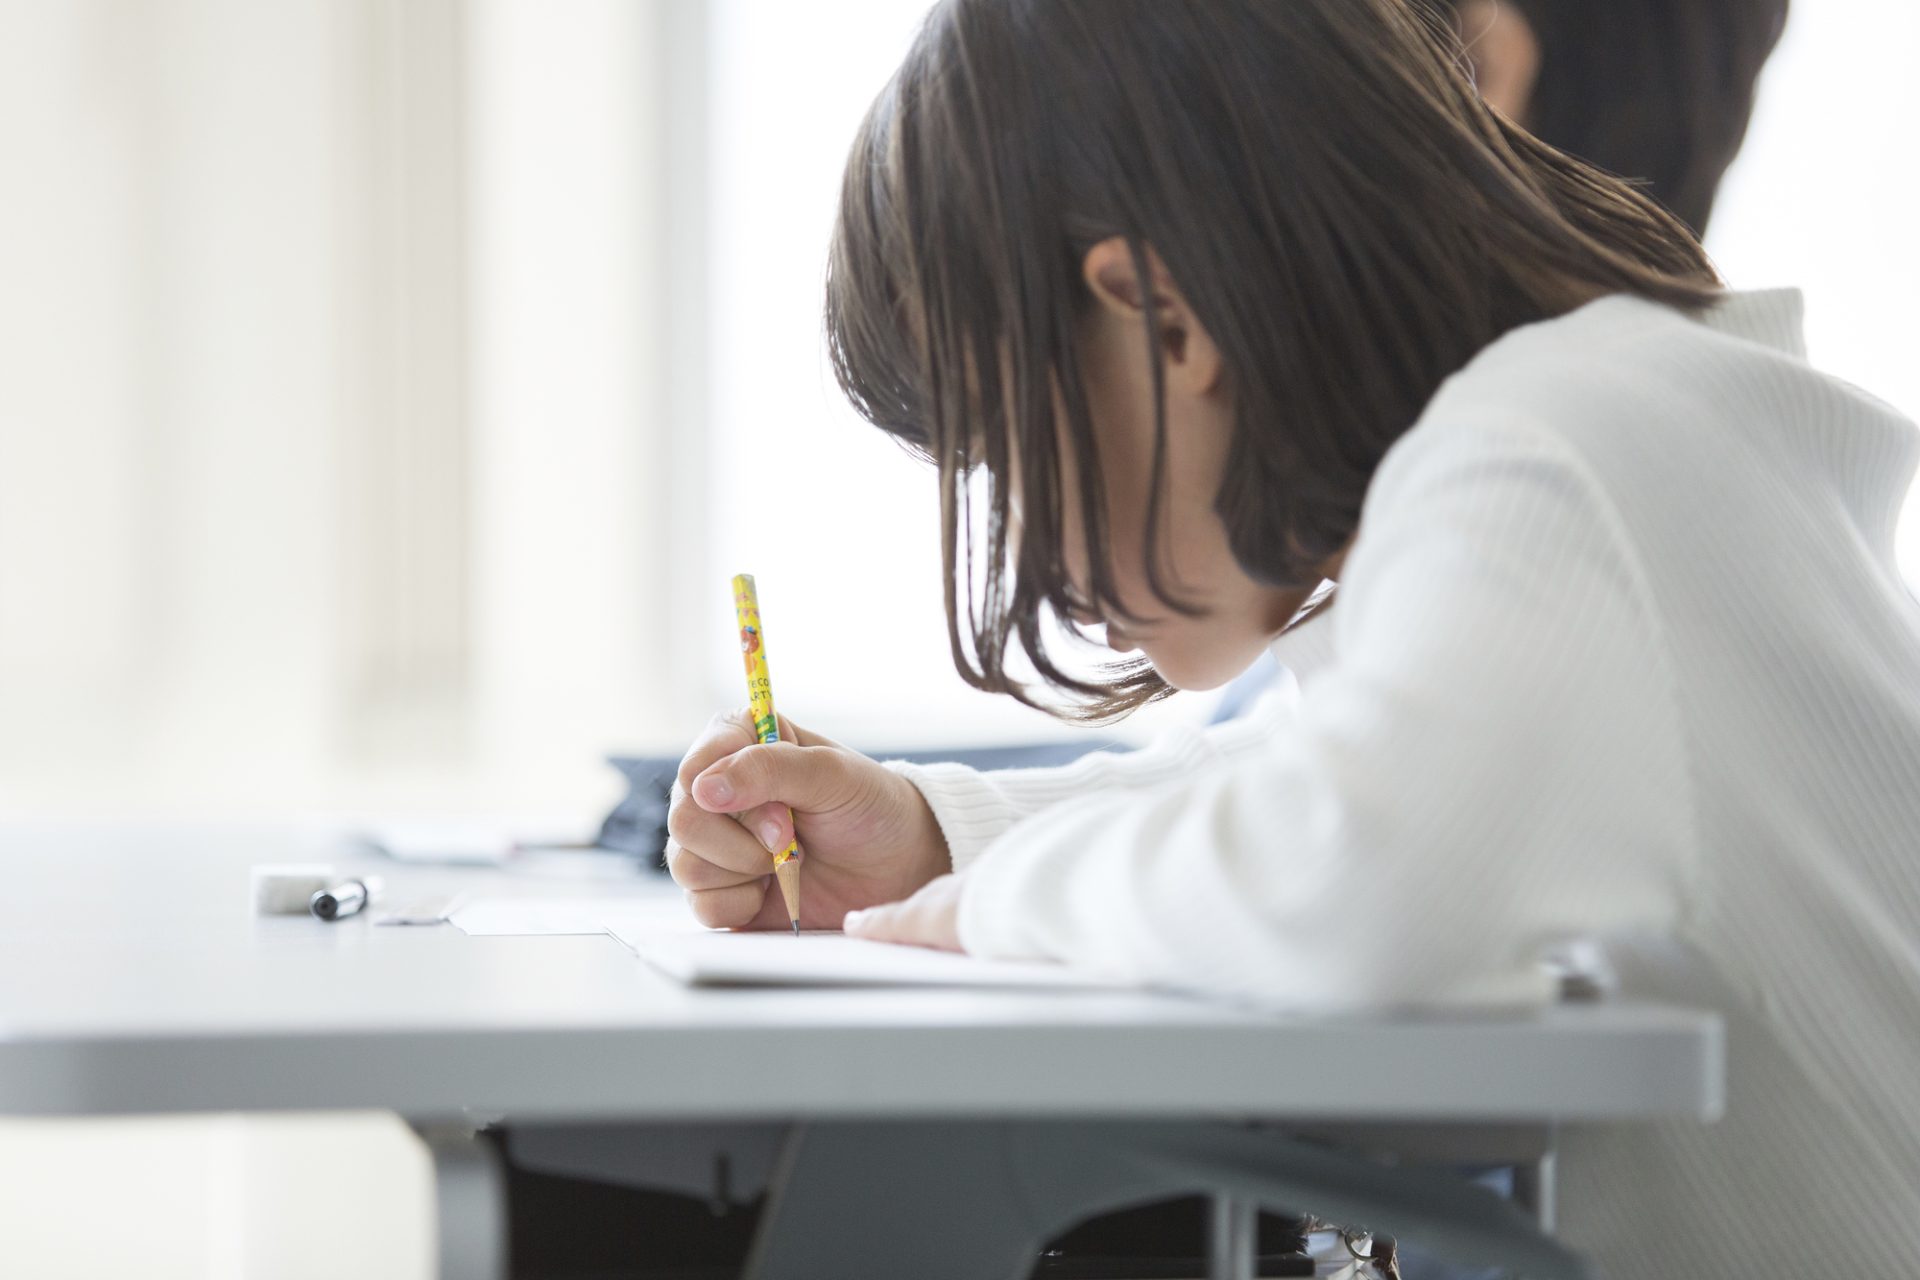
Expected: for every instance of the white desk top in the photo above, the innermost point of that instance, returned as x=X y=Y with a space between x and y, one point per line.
x=133 y=978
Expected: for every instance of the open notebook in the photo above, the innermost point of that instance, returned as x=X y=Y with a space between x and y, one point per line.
x=832 y=960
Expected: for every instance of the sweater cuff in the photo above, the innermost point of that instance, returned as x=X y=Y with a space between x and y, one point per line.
x=971 y=811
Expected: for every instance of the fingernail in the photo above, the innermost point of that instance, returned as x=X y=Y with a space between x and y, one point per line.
x=770 y=836
x=719 y=790
x=853 y=919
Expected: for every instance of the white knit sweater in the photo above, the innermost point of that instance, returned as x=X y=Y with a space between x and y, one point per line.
x=1621 y=650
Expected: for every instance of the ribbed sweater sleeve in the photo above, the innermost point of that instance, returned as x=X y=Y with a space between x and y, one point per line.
x=1492 y=761
x=975 y=807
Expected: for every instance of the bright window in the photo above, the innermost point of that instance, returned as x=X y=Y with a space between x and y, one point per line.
x=1824 y=193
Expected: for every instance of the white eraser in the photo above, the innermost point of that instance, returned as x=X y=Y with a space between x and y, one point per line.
x=285 y=888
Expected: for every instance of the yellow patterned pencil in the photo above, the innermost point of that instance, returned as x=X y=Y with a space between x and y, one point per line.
x=766 y=724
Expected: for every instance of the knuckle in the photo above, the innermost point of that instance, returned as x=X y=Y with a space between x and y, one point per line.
x=748 y=771
x=710 y=908
x=698 y=757
x=720 y=738
x=681 y=820
x=689 y=870
x=677 y=865
x=725 y=725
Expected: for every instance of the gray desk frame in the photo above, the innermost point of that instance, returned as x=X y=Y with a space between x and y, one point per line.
x=130 y=990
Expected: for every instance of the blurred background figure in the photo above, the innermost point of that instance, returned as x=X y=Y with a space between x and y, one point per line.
x=1658 y=90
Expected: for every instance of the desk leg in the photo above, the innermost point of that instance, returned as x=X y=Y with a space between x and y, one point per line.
x=470 y=1204
x=1232 y=1235
x=1533 y=1189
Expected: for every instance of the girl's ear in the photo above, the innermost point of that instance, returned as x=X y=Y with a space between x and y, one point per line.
x=1187 y=353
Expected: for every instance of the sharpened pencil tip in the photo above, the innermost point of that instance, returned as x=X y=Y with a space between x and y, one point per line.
x=796 y=928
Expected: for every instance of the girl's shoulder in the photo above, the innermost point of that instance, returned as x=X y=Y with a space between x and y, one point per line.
x=1620 y=351
x=1668 y=417
x=1636 y=387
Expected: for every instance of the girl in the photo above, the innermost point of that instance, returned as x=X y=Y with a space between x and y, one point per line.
x=1196 y=306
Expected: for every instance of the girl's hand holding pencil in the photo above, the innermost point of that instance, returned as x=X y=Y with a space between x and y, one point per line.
x=869 y=837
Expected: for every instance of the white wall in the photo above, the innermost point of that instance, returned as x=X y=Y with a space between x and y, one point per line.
x=170 y=337
x=332 y=380
x=572 y=616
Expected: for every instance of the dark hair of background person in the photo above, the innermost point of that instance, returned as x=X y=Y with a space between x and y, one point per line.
x=1655 y=90
x=1343 y=214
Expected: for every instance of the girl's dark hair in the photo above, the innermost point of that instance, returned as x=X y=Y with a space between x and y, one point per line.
x=1339 y=210
x=1656 y=90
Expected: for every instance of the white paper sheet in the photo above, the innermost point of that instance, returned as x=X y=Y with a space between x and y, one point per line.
x=502 y=917
x=709 y=958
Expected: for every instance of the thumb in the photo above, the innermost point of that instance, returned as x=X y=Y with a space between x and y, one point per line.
x=807 y=778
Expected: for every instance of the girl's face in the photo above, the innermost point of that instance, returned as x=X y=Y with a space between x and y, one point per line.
x=1240 y=616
